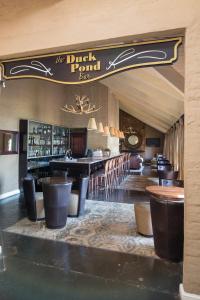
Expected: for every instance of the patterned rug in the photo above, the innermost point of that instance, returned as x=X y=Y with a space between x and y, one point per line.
x=137 y=183
x=105 y=225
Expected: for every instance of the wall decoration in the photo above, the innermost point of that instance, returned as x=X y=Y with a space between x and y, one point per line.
x=8 y=142
x=133 y=140
x=78 y=67
x=82 y=106
x=153 y=142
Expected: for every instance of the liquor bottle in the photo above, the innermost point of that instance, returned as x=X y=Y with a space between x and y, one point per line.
x=2 y=260
x=44 y=130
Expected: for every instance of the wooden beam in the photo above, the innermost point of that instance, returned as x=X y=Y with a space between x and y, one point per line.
x=173 y=109
x=154 y=119
x=172 y=76
x=148 y=79
x=147 y=109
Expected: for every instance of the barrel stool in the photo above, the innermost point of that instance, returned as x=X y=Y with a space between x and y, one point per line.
x=56 y=199
x=143 y=218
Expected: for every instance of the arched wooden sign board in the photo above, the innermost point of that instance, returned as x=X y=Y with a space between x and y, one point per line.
x=77 y=67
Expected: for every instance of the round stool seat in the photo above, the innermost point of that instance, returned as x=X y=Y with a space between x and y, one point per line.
x=143 y=218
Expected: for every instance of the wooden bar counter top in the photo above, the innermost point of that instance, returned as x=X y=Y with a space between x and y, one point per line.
x=166 y=192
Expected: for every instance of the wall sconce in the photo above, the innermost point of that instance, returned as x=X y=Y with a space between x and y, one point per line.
x=92 y=124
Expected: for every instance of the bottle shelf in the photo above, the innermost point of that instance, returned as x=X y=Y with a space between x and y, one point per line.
x=40 y=146
x=53 y=137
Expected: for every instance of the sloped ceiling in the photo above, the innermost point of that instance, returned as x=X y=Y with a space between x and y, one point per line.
x=152 y=95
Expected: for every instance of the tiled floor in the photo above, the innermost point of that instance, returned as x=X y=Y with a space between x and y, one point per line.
x=42 y=269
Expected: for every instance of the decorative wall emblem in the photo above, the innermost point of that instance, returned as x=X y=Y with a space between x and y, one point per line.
x=78 y=67
x=34 y=65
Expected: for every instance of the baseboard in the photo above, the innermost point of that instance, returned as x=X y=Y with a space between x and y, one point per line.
x=187 y=296
x=9 y=194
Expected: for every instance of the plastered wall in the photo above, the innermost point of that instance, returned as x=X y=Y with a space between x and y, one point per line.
x=26 y=99
x=39 y=100
x=44 y=26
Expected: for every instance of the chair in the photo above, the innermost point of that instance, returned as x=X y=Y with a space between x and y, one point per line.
x=163 y=162
x=56 y=200
x=172 y=182
x=167 y=167
x=33 y=200
x=76 y=205
x=167 y=177
x=104 y=177
x=143 y=218
x=60 y=173
x=136 y=164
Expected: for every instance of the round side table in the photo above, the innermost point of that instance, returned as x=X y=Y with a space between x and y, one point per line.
x=167 y=213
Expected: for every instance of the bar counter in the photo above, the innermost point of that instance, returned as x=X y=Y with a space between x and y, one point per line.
x=83 y=165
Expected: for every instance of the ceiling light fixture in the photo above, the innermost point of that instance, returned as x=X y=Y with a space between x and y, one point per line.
x=82 y=106
x=100 y=127
x=92 y=125
x=106 y=131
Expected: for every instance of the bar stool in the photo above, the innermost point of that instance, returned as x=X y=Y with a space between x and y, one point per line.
x=167 y=177
x=56 y=197
x=77 y=199
x=143 y=218
x=33 y=200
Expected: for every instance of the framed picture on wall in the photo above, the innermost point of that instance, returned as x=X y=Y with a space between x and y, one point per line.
x=153 y=142
x=8 y=142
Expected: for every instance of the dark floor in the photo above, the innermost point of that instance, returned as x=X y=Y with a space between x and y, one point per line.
x=120 y=196
x=42 y=269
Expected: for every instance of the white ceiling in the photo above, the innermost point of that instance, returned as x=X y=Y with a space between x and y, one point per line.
x=152 y=95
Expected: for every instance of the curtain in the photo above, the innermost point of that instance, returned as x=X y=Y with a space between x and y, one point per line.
x=174 y=146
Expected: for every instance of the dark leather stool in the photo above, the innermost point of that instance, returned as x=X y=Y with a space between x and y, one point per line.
x=33 y=200
x=166 y=177
x=56 y=197
x=168 y=223
x=166 y=167
x=76 y=205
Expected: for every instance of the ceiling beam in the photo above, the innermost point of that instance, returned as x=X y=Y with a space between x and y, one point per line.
x=171 y=76
x=143 y=115
x=147 y=109
x=152 y=82
x=148 y=116
x=173 y=109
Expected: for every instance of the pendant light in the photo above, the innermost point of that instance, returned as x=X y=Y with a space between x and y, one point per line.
x=116 y=132
x=100 y=127
x=92 y=124
x=122 y=135
x=112 y=131
x=106 y=131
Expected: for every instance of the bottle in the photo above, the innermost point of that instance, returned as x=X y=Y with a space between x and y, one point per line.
x=2 y=261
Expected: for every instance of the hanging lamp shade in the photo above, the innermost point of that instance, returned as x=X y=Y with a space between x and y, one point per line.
x=112 y=131
x=116 y=132
x=100 y=127
x=106 y=131
x=122 y=135
x=92 y=124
